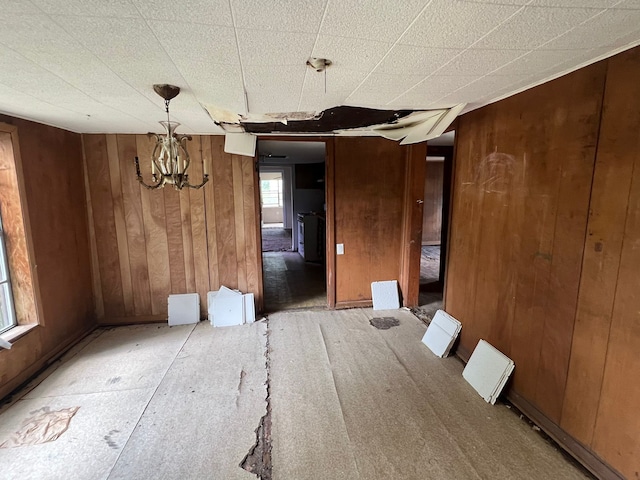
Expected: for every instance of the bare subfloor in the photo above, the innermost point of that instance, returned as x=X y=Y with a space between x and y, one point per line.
x=347 y=401
x=290 y=282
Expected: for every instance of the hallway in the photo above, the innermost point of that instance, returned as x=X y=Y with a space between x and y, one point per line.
x=290 y=282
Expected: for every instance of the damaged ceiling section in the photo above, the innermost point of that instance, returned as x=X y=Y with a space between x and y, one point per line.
x=404 y=126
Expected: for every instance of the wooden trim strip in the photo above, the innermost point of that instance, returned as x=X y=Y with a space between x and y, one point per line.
x=141 y=319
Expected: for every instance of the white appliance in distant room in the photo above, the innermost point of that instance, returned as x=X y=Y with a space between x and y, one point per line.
x=311 y=237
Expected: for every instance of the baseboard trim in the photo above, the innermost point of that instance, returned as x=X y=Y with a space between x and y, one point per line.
x=354 y=304
x=573 y=447
x=14 y=385
x=141 y=319
x=582 y=454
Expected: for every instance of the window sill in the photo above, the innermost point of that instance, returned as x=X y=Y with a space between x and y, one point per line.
x=17 y=332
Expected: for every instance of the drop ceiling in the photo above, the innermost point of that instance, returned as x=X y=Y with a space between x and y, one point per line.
x=89 y=65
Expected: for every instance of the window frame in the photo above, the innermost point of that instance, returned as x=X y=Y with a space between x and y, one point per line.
x=4 y=260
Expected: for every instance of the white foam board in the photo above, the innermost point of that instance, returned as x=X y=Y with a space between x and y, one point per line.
x=488 y=370
x=211 y=298
x=228 y=308
x=184 y=309
x=385 y=295
x=249 y=308
x=441 y=333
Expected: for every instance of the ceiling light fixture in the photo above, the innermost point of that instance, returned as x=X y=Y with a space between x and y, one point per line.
x=170 y=159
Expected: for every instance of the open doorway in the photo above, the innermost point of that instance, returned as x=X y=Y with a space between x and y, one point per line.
x=435 y=222
x=293 y=200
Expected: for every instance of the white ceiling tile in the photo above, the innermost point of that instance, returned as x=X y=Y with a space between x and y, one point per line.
x=486 y=87
x=412 y=60
x=535 y=26
x=601 y=30
x=381 y=88
x=479 y=62
x=209 y=12
x=340 y=82
x=279 y=15
x=97 y=8
x=353 y=54
x=197 y=43
x=431 y=89
x=274 y=48
x=382 y=20
x=128 y=47
x=455 y=24
x=273 y=90
x=535 y=61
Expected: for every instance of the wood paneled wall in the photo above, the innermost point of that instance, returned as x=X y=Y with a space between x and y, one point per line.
x=543 y=258
x=54 y=194
x=376 y=208
x=149 y=244
x=432 y=216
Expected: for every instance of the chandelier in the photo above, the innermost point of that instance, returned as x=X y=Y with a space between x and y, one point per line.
x=170 y=159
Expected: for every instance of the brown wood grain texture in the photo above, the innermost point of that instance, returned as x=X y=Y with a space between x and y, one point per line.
x=49 y=173
x=211 y=152
x=93 y=249
x=105 y=230
x=369 y=200
x=153 y=214
x=239 y=225
x=20 y=271
x=198 y=219
x=572 y=144
x=175 y=242
x=603 y=248
x=464 y=230
x=120 y=223
x=330 y=198
x=222 y=171
x=134 y=221
x=432 y=210
x=521 y=196
x=253 y=257
x=412 y=222
x=616 y=435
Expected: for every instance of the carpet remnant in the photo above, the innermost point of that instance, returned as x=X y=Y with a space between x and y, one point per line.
x=44 y=426
x=384 y=323
x=258 y=460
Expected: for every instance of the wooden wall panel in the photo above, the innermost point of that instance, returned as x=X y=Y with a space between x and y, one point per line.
x=171 y=242
x=97 y=164
x=369 y=194
x=52 y=190
x=569 y=248
x=432 y=210
x=520 y=212
x=600 y=407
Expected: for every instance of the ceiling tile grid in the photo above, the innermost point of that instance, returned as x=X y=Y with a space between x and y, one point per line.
x=89 y=65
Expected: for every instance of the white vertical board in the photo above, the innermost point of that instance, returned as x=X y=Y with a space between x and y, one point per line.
x=249 y=308
x=488 y=370
x=228 y=308
x=441 y=333
x=184 y=309
x=385 y=295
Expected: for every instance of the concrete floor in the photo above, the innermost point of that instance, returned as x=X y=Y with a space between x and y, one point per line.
x=347 y=401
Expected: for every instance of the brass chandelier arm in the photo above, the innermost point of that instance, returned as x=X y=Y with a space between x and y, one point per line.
x=205 y=179
x=141 y=180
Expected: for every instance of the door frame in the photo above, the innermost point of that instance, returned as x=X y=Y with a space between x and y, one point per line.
x=330 y=257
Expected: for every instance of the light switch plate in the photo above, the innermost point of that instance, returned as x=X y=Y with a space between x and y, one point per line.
x=340 y=249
